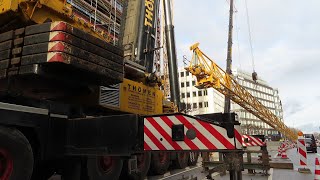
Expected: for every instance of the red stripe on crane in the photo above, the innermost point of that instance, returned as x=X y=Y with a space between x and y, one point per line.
x=57 y=57
x=146 y=146
x=59 y=36
x=59 y=46
x=217 y=135
x=200 y=136
x=186 y=140
x=153 y=139
x=238 y=136
x=164 y=133
x=60 y=26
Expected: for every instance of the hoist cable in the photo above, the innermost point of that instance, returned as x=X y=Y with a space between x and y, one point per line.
x=250 y=37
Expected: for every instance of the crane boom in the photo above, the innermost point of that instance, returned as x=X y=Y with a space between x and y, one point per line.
x=209 y=74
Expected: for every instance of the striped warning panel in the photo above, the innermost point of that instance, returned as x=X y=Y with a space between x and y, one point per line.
x=252 y=141
x=302 y=151
x=197 y=134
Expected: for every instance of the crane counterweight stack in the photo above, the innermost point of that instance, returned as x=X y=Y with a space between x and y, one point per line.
x=209 y=74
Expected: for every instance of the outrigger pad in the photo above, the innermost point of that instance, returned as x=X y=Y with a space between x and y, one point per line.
x=198 y=134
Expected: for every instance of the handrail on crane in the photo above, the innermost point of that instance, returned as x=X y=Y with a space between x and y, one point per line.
x=209 y=74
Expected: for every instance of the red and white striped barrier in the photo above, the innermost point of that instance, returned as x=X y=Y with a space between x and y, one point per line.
x=252 y=141
x=284 y=154
x=279 y=151
x=302 y=150
x=158 y=134
x=317 y=170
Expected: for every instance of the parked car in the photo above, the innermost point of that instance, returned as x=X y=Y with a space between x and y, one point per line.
x=310 y=143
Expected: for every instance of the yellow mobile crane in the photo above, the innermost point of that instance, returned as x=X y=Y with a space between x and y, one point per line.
x=209 y=74
x=71 y=102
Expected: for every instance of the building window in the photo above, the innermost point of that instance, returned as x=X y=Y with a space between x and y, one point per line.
x=188 y=84
x=187 y=73
x=183 y=95
x=194 y=94
x=193 y=83
x=200 y=104
x=188 y=95
x=206 y=104
x=205 y=92
x=194 y=105
x=182 y=84
x=199 y=93
x=181 y=74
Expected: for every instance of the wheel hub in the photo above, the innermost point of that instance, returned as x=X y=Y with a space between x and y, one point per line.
x=6 y=165
x=140 y=160
x=106 y=163
x=162 y=157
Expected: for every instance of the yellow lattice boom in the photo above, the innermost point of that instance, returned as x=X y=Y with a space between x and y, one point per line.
x=209 y=74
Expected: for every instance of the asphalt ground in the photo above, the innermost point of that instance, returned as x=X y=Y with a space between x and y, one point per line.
x=294 y=174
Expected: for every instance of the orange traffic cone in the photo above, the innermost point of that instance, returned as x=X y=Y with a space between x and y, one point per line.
x=317 y=170
x=284 y=155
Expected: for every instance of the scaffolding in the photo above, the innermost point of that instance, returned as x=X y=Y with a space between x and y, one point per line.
x=103 y=15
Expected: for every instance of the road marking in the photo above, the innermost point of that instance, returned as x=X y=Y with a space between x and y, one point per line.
x=180 y=173
x=271 y=174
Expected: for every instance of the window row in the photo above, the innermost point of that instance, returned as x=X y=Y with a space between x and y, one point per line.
x=184 y=73
x=255 y=86
x=187 y=84
x=194 y=94
x=198 y=105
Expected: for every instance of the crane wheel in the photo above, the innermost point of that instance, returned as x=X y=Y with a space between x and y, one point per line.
x=16 y=156
x=160 y=162
x=143 y=165
x=181 y=160
x=193 y=158
x=104 y=167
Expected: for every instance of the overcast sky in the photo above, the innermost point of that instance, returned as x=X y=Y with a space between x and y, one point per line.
x=286 y=47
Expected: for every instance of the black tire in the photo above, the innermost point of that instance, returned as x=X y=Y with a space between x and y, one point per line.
x=160 y=162
x=181 y=160
x=72 y=170
x=99 y=169
x=143 y=165
x=15 y=154
x=193 y=158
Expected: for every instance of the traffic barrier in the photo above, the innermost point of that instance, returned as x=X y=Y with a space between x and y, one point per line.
x=303 y=155
x=317 y=170
x=284 y=154
x=279 y=151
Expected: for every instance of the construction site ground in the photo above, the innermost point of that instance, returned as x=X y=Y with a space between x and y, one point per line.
x=197 y=172
x=275 y=174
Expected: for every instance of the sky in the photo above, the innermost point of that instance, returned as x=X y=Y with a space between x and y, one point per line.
x=286 y=47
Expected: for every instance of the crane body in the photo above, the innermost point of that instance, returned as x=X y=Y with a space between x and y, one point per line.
x=79 y=100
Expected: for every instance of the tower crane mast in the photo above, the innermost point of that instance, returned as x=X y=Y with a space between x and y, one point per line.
x=209 y=75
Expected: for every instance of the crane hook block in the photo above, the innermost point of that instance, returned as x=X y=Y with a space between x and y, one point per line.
x=254 y=76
